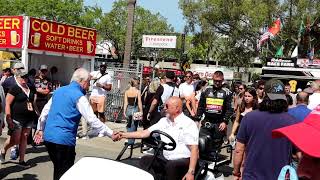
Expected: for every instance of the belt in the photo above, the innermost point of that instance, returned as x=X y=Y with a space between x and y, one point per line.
x=208 y=124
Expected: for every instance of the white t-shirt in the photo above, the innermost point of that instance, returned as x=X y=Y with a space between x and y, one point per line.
x=314 y=100
x=106 y=79
x=186 y=89
x=183 y=130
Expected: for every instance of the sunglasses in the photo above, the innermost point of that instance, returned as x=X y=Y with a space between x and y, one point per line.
x=261 y=88
x=166 y=106
x=188 y=76
x=241 y=88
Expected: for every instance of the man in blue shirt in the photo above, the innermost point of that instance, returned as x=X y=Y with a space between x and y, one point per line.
x=264 y=156
x=59 y=120
x=301 y=111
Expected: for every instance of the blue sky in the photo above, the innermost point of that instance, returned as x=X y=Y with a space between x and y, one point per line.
x=167 y=8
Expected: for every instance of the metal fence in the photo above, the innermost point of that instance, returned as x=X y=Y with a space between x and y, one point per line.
x=115 y=98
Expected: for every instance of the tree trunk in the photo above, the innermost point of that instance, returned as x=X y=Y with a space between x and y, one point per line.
x=130 y=23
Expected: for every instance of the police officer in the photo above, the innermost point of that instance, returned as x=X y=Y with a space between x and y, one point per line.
x=215 y=104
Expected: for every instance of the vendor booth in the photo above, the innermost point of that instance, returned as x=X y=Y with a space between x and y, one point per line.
x=54 y=44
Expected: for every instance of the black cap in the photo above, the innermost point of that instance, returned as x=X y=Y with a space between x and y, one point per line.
x=275 y=89
x=170 y=75
x=103 y=65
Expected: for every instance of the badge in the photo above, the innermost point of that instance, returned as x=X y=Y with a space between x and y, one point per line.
x=29 y=106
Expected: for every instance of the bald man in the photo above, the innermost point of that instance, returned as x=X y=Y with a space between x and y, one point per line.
x=181 y=162
x=301 y=111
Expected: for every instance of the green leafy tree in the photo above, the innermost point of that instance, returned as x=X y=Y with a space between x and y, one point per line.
x=113 y=26
x=238 y=25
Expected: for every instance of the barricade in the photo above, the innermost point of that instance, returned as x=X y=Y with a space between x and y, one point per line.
x=120 y=83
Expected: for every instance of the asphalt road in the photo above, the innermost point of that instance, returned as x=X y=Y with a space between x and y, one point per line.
x=42 y=168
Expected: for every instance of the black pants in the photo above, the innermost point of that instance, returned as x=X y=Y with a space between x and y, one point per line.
x=62 y=157
x=170 y=169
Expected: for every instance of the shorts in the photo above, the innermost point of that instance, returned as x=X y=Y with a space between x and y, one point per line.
x=98 y=103
x=19 y=125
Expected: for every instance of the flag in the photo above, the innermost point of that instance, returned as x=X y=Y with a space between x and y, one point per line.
x=301 y=30
x=279 y=52
x=272 y=31
x=295 y=52
x=275 y=28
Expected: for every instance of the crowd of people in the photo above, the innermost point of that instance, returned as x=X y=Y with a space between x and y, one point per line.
x=195 y=112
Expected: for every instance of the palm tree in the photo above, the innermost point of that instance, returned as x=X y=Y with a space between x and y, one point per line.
x=130 y=23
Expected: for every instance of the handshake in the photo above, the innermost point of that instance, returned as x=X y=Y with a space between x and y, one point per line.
x=117 y=136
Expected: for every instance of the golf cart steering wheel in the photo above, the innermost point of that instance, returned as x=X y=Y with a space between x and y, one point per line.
x=170 y=146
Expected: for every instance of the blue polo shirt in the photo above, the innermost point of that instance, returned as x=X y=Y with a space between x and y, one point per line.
x=300 y=112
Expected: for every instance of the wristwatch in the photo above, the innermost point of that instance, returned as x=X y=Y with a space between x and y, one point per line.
x=238 y=174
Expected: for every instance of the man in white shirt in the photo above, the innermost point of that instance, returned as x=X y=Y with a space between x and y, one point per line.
x=314 y=99
x=186 y=93
x=181 y=162
x=59 y=120
x=102 y=83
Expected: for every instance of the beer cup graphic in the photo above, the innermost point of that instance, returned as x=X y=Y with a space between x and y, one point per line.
x=15 y=38
x=90 y=47
x=35 y=39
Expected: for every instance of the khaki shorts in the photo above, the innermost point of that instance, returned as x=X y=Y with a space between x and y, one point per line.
x=98 y=103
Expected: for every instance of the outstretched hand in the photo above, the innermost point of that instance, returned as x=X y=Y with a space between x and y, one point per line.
x=116 y=136
x=38 y=137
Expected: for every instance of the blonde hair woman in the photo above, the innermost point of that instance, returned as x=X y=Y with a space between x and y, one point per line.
x=20 y=113
x=132 y=104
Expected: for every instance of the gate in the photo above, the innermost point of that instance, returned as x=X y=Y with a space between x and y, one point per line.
x=120 y=83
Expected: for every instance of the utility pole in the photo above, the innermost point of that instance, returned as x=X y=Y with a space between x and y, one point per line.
x=130 y=23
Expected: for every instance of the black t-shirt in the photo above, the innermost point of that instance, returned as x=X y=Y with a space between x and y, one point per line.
x=19 y=108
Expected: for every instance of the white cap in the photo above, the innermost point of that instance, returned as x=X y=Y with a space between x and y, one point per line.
x=43 y=66
x=18 y=66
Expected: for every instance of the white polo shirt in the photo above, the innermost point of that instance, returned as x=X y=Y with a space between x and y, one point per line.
x=186 y=89
x=183 y=130
x=106 y=79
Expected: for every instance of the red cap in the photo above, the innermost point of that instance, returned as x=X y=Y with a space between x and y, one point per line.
x=304 y=135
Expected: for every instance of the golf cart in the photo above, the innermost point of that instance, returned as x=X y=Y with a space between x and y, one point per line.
x=128 y=168
x=210 y=149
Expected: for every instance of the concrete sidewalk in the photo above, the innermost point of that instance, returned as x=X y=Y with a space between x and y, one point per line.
x=42 y=168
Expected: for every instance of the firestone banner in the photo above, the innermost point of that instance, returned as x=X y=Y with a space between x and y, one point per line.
x=57 y=37
x=11 y=31
x=154 y=41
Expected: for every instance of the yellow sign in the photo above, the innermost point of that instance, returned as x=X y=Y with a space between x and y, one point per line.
x=214 y=101
x=293 y=85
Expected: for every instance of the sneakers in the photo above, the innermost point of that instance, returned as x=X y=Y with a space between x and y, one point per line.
x=24 y=164
x=2 y=157
x=14 y=153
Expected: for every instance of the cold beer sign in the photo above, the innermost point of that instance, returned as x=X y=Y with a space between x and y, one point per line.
x=11 y=30
x=58 y=37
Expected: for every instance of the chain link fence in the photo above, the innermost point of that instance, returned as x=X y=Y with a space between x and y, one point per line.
x=120 y=83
